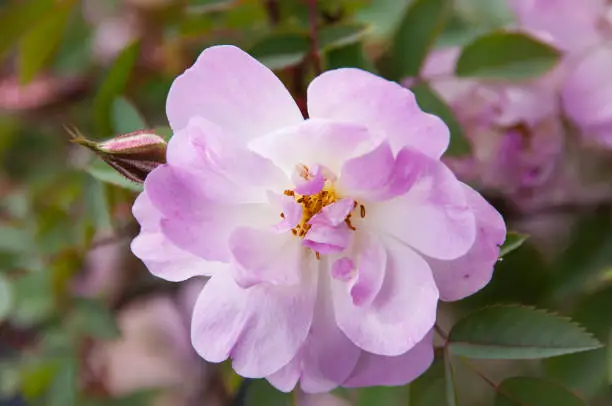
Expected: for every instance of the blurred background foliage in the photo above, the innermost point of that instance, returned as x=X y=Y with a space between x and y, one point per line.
x=81 y=320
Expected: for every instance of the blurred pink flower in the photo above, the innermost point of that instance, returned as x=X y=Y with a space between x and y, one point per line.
x=514 y=128
x=587 y=85
x=342 y=288
x=153 y=352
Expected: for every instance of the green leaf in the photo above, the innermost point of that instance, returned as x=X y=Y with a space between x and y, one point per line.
x=526 y=391
x=449 y=380
x=492 y=13
x=96 y=204
x=506 y=55
x=164 y=131
x=416 y=34
x=430 y=388
x=430 y=102
x=17 y=18
x=589 y=251
x=513 y=241
x=36 y=375
x=281 y=50
x=106 y=174
x=63 y=388
x=381 y=395
x=92 y=318
x=260 y=392
x=14 y=239
x=341 y=35
x=516 y=332
x=33 y=298
x=125 y=117
x=383 y=16
x=6 y=297
x=114 y=84
x=583 y=372
x=39 y=44
x=348 y=56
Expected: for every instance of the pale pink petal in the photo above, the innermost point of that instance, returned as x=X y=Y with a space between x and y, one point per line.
x=292 y=214
x=402 y=312
x=328 y=356
x=227 y=171
x=365 y=174
x=343 y=269
x=233 y=90
x=266 y=256
x=327 y=239
x=335 y=213
x=555 y=16
x=193 y=222
x=468 y=274
x=313 y=185
x=261 y=328
x=378 y=175
x=433 y=217
x=388 y=110
x=587 y=94
x=162 y=257
x=378 y=370
x=288 y=376
x=314 y=142
x=372 y=262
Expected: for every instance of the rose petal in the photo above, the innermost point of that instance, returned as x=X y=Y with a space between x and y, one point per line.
x=587 y=94
x=372 y=261
x=261 y=328
x=266 y=256
x=233 y=90
x=433 y=216
x=334 y=214
x=402 y=312
x=388 y=110
x=292 y=214
x=554 y=16
x=314 y=142
x=327 y=357
x=378 y=370
x=326 y=239
x=377 y=175
x=468 y=274
x=227 y=172
x=160 y=255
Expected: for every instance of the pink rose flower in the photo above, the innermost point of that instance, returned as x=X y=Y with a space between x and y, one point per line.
x=586 y=91
x=328 y=241
x=514 y=128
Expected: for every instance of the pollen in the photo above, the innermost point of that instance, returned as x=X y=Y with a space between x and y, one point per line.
x=311 y=205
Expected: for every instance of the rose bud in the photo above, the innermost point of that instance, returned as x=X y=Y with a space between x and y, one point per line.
x=133 y=155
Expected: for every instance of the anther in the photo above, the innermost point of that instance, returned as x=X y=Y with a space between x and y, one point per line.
x=294 y=231
x=348 y=223
x=283 y=215
x=317 y=255
x=362 y=209
x=289 y=193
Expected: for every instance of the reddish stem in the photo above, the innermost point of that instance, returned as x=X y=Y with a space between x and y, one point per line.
x=315 y=56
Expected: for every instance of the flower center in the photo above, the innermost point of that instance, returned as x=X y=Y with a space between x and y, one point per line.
x=311 y=205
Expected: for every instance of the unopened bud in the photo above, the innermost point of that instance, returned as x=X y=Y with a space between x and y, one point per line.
x=133 y=155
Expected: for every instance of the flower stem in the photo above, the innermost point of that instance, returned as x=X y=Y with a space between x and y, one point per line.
x=314 y=38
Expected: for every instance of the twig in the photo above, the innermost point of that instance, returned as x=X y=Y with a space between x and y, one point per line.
x=314 y=39
x=441 y=333
x=273 y=12
x=240 y=396
x=485 y=378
